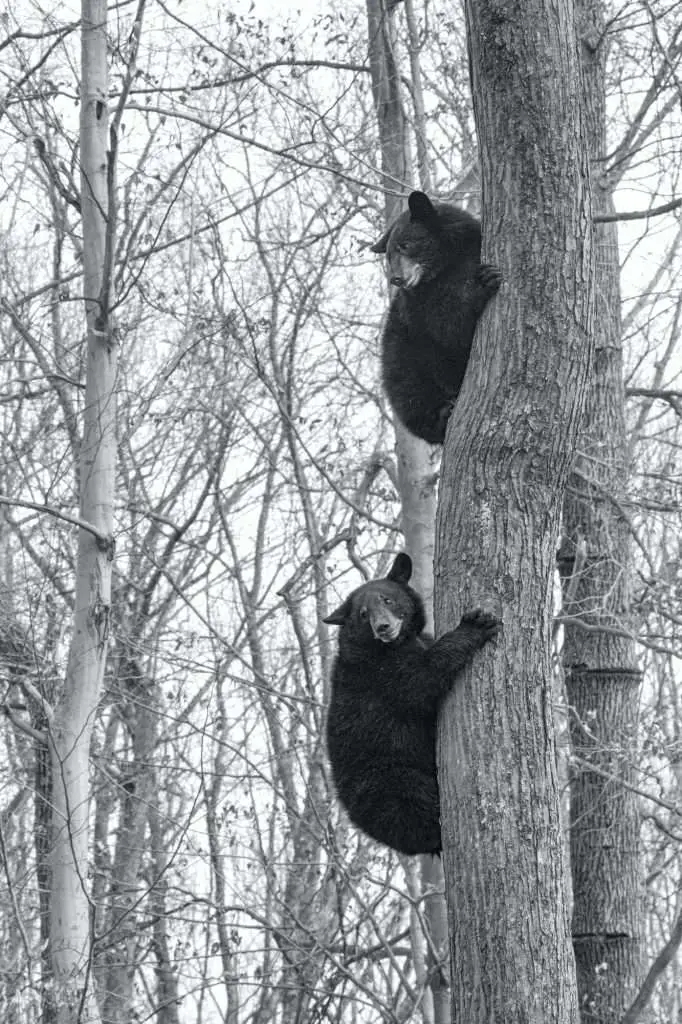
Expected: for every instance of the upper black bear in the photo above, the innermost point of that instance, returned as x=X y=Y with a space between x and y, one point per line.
x=434 y=256
x=387 y=682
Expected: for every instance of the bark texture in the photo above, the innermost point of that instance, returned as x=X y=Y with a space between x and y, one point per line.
x=602 y=681
x=510 y=445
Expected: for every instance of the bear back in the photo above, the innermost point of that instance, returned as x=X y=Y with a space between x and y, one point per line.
x=434 y=258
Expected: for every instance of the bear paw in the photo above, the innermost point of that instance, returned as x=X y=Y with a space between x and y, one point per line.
x=486 y=625
x=489 y=277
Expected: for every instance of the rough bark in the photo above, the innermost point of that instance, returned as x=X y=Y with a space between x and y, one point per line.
x=71 y=724
x=510 y=445
x=602 y=681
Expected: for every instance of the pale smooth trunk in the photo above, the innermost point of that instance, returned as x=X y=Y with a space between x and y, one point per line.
x=72 y=722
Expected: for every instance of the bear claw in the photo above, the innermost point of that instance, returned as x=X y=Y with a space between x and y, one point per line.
x=483 y=622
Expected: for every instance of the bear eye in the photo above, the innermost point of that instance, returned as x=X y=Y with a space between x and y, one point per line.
x=364 y=614
x=386 y=600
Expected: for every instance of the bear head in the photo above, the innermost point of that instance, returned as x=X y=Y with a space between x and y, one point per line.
x=385 y=611
x=425 y=240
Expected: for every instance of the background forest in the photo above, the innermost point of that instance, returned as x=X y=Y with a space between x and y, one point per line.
x=257 y=482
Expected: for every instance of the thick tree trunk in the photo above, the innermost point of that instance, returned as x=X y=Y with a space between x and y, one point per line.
x=510 y=445
x=602 y=681
x=73 y=718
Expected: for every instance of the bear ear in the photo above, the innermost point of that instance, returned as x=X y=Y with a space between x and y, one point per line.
x=401 y=570
x=421 y=208
x=338 y=617
x=382 y=244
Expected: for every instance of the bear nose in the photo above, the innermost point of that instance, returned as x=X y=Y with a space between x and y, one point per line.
x=383 y=627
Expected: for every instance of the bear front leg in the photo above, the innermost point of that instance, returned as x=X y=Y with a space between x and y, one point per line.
x=422 y=679
x=453 y=650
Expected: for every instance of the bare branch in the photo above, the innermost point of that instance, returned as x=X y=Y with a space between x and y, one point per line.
x=22 y=726
x=573 y=620
x=655 y=211
x=46 y=160
x=65 y=516
x=633 y=1014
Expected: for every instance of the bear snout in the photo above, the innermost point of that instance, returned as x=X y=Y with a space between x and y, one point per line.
x=386 y=628
x=405 y=272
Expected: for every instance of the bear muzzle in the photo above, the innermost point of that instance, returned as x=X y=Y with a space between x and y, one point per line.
x=407 y=273
x=386 y=628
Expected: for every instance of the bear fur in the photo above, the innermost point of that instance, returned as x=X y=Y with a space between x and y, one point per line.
x=434 y=257
x=387 y=681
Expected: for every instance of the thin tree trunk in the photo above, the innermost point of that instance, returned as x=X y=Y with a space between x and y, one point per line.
x=42 y=822
x=73 y=718
x=168 y=999
x=602 y=681
x=510 y=445
x=139 y=708
x=416 y=463
x=228 y=951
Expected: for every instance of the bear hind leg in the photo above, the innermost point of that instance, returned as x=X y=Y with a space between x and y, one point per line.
x=403 y=813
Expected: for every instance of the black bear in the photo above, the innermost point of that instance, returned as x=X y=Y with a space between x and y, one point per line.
x=387 y=681
x=434 y=256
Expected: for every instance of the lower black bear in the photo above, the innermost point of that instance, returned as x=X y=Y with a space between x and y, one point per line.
x=434 y=256
x=387 y=682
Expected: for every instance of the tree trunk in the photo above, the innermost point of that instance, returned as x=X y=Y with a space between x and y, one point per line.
x=510 y=445
x=42 y=829
x=416 y=463
x=138 y=708
x=602 y=681
x=167 y=994
x=73 y=717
